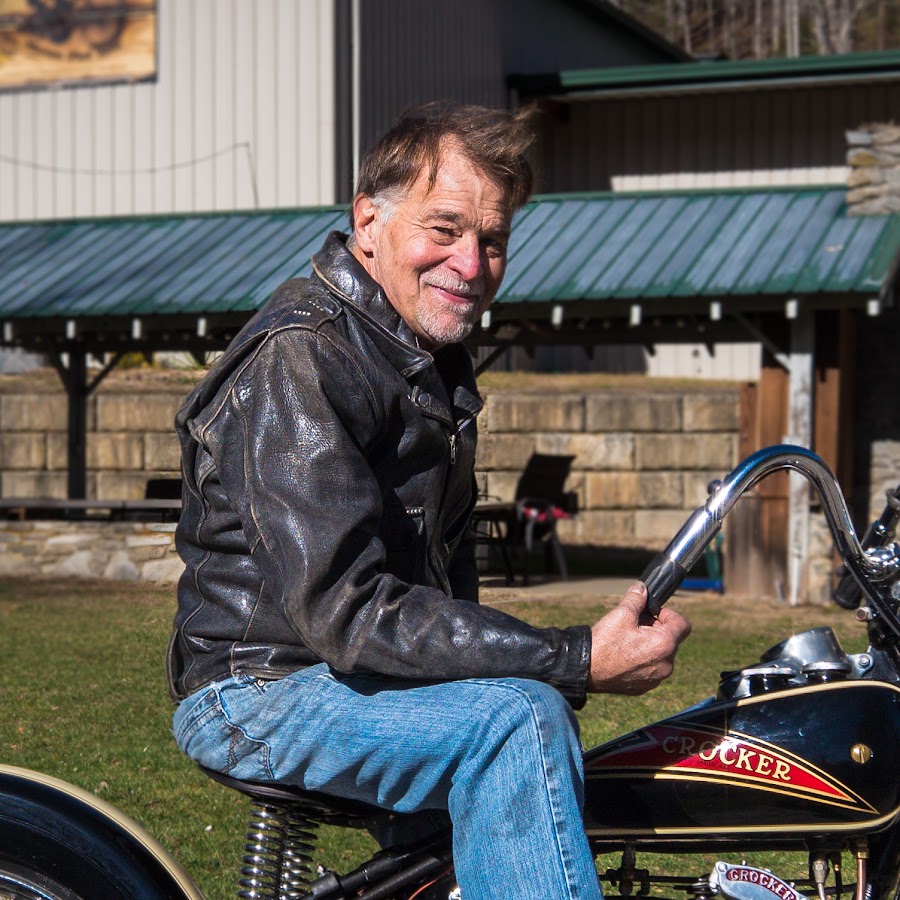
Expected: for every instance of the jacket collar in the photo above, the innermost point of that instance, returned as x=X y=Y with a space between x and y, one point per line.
x=344 y=275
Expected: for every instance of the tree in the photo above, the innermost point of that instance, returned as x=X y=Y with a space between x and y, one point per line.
x=740 y=29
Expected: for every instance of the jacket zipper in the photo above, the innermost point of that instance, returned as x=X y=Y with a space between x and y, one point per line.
x=453 y=438
x=433 y=555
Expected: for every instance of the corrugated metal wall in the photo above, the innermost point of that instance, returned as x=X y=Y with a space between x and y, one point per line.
x=781 y=136
x=414 y=52
x=241 y=115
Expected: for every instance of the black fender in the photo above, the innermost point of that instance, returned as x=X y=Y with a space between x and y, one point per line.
x=57 y=831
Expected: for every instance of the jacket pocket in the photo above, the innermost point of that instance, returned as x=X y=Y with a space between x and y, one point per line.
x=403 y=535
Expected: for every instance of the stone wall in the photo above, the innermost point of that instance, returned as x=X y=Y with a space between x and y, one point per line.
x=130 y=437
x=125 y=551
x=645 y=453
x=644 y=456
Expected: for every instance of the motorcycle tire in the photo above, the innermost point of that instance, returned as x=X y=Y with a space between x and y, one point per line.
x=58 y=842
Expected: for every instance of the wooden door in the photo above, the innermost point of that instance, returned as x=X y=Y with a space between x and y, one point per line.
x=756 y=528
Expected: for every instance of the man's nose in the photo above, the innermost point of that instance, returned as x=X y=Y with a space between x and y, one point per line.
x=467 y=259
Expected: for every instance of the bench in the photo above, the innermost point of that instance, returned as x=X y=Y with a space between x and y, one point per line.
x=27 y=508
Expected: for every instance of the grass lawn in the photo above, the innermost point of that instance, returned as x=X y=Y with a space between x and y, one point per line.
x=83 y=698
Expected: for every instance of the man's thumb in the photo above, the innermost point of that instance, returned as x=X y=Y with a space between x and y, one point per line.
x=635 y=599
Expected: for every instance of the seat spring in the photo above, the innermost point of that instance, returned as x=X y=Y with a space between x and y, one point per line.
x=278 y=853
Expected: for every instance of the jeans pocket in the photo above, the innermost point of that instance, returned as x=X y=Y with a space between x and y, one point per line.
x=213 y=737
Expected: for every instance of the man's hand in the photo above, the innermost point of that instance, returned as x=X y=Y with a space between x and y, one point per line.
x=632 y=652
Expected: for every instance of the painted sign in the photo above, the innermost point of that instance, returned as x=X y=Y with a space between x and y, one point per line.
x=53 y=42
x=676 y=751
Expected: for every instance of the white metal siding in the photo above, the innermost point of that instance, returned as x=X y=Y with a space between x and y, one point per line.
x=729 y=362
x=241 y=115
x=677 y=181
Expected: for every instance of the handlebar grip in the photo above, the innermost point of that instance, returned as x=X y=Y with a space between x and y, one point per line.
x=848 y=593
x=662 y=577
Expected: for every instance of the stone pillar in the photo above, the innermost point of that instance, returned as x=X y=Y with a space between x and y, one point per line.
x=874 y=158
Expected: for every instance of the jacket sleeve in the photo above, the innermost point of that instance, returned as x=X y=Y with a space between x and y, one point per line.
x=289 y=443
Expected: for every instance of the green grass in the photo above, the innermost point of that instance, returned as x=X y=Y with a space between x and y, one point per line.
x=83 y=698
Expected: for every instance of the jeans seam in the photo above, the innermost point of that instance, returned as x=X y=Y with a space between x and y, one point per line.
x=552 y=801
x=197 y=717
x=235 y=729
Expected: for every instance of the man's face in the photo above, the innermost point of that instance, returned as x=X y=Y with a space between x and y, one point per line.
x=439 y=254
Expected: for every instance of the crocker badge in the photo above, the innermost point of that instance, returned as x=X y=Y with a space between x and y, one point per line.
x=749 y=883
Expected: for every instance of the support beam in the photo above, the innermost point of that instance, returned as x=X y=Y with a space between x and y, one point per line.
x=77 y=391
x=800 y=388
x=492 y=357
x=73 y=373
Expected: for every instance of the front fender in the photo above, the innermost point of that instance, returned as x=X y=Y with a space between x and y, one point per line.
x=83 y=843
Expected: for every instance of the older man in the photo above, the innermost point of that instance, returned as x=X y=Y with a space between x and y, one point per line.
x=328 y=632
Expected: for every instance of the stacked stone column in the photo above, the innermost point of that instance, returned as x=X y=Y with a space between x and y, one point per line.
x=874 y=159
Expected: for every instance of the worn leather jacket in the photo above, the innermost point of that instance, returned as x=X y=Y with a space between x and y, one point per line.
x=328 y=484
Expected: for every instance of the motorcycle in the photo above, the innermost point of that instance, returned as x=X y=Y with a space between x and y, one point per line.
x=795 y=752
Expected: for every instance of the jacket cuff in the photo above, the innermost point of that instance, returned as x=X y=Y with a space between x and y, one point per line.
x=573 y=683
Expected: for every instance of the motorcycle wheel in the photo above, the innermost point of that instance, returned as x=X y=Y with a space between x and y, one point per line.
x=57 y=842
x=19 y=882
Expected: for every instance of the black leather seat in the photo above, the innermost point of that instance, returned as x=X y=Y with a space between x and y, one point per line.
x=322 y=807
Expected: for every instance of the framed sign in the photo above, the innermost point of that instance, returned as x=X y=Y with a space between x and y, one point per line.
x=52 y=42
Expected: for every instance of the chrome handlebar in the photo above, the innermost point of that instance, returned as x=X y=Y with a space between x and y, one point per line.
x=666 y=571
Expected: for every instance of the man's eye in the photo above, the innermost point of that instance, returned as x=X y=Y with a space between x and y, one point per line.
x=495 y=248
x=445 y=231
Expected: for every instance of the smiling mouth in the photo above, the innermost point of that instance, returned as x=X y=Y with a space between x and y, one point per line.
x=463 y=299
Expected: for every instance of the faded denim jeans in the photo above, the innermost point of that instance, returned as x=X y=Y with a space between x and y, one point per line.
x=502 y=756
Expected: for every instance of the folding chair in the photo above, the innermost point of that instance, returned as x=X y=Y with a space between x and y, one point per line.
x=540 y=502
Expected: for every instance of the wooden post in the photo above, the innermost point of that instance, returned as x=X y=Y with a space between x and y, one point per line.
x=74 y=375
x=836 y=355
x=756 y=529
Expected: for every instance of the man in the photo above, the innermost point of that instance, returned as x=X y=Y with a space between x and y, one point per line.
x=328 y=633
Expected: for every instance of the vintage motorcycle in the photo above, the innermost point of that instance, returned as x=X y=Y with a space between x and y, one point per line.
x=795 y=752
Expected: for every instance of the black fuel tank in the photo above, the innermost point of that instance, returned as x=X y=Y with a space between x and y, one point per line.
x=815 y=759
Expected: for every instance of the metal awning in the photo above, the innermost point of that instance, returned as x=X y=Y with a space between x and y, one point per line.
x=711 y=75
x=149 y=283
x=584 y=268
x=709 y=256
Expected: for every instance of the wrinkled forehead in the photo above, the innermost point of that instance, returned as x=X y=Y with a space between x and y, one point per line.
x=455 y=179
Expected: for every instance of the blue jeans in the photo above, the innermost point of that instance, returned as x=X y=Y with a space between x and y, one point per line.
x=502 y=756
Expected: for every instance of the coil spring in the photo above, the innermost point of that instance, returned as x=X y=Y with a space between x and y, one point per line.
x=277 y=853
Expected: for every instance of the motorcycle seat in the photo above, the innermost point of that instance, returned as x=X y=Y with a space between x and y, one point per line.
x=323 y=807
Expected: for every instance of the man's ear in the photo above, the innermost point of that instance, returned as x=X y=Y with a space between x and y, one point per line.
x=366 y=220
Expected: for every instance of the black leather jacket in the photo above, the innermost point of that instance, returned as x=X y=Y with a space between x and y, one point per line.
x=328 y=482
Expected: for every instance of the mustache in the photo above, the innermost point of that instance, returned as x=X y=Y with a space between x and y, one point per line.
x=448 y=282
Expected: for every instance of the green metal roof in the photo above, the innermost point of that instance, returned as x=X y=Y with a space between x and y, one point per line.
x=186 y=264
x=712 y=74
x=179 y=279
x=697 y=244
